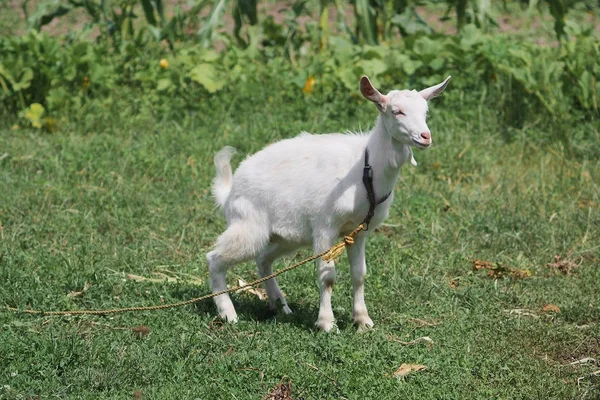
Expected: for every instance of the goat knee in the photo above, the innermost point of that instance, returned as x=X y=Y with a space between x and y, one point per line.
x=327 y=275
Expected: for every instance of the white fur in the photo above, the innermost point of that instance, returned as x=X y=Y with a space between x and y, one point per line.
x=308 y=191
x=222 y=182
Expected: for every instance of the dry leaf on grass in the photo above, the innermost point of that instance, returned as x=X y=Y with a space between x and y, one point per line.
x=86 y=286
x=566 y=265
x=141 y=330
x=497 y=271
x=522 y=311
x=581 y=378
x=421 y=323
x=551 y=308
x=454 y=282
x=587 y=204
x=547 y=308
x=406 y=369
x=283 y=391
x=161 y=278
x=480 y=264
x=424 y=339
x=258 y=292
x=520 y=273
x=586 y=360
x=190 y=278
x=139 y=278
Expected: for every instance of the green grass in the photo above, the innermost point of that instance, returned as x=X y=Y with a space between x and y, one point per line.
x=112 y=194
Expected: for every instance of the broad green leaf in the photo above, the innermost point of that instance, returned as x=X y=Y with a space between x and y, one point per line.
x=372 y=67
x=522 y=55
x=25 y=80
x=409 y=65
x=206 y=75
x=348 y=77
x=210 y=56
x=374 y=52
x=426 y=47
x=4 y=72
x=470 y=36
x=437 y=64
x=343 y=49
x=300 y=79
x=163 y=84
x=57 y=98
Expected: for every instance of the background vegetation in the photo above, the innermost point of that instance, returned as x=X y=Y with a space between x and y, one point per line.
x=110 y=112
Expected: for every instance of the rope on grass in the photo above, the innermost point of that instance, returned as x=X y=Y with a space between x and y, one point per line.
x=328 y=255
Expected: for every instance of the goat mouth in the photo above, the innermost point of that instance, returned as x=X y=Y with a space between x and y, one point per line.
x=421 y=145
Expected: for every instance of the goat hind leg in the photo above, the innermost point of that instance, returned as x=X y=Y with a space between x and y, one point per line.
x=232 y=247
x=264 y=262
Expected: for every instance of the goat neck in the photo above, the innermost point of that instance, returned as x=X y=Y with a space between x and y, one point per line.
x=386 y=156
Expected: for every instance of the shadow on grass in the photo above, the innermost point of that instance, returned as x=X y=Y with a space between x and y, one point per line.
x=250 y=308
x=303 y=315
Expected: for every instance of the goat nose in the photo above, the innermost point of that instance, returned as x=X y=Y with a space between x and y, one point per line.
x=426 y=135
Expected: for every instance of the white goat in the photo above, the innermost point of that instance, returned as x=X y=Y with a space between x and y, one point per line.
x=309 y=191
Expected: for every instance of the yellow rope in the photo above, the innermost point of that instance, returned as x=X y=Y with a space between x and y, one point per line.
x=339 y=248
x=327 y=255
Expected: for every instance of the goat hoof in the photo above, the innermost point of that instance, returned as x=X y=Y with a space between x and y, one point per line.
x=325 y=325
x=364 y=323
x=274 y=306
x=230 y=317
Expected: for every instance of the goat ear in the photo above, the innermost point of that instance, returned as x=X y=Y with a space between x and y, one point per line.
x=370 y=93
x=434 y=91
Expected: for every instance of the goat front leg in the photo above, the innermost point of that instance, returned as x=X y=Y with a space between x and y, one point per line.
x=358 y=269
x=326 y=276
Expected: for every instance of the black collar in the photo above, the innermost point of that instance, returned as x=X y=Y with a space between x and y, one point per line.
x=368 y=182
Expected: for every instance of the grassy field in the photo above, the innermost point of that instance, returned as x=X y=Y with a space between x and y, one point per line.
x=112 y=194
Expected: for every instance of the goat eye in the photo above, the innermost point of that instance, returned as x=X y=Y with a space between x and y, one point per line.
x=398 y=112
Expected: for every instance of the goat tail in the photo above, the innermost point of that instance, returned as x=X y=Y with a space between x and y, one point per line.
x=221 y=186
